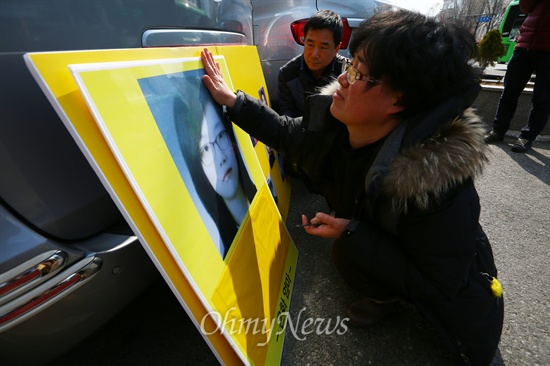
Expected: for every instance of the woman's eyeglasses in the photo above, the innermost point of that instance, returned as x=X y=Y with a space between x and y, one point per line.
x=353 y=74
x=207 y=150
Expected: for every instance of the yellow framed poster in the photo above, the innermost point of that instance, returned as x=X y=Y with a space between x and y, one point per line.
x=176 y=167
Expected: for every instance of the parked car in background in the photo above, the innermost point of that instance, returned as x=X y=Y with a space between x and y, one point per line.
x=68 y=260
x=276 y=39
x=277 y=43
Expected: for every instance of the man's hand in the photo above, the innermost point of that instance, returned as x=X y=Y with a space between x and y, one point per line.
x=325 y=225
x=214 y=82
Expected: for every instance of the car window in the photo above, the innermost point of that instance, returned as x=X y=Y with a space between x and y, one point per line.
x=48 y=25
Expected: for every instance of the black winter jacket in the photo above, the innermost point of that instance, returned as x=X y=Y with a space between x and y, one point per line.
x=420 y=230
x=296 y=83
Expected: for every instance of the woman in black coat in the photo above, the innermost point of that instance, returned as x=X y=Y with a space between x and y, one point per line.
x=394 y=147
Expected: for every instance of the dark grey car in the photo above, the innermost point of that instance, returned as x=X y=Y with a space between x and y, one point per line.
x=68 y=260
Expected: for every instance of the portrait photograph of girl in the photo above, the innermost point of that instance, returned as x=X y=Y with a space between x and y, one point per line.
x=203 y=145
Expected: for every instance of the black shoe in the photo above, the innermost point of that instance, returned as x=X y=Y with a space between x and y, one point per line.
x=521 y=145
x=366 y=313
x=493 y=137
x=497 y=359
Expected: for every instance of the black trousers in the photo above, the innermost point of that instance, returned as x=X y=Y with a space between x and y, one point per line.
x=347 y=259
x=520 y=67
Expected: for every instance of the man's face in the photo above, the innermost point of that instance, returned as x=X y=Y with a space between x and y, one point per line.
x=319 y=50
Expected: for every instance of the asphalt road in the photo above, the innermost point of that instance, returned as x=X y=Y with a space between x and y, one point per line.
x=515 y=199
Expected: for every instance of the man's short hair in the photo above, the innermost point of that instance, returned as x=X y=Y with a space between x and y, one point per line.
x=426 y=60
x=326 y=19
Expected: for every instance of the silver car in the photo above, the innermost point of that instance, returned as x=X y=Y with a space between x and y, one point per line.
x=274 y=37
x=273 y=33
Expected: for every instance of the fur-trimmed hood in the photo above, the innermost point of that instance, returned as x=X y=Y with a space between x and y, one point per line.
x=427 y=169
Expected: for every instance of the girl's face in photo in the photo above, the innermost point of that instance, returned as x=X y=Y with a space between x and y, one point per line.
x=218 y=157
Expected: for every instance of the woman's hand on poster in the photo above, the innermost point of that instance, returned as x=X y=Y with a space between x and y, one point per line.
x=214 y=82
x=325 y=225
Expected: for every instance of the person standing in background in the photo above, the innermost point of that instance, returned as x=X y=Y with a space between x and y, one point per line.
x=531 y=54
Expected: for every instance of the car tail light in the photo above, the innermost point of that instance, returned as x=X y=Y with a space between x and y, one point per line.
x=297 y=29
x=346 y=34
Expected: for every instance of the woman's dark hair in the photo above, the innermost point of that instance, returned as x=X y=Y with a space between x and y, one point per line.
x=426 y=60
x=188 y=116
x=326 y=19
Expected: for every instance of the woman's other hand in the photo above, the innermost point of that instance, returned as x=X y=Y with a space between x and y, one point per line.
x=214 y=82
x=325 y=225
